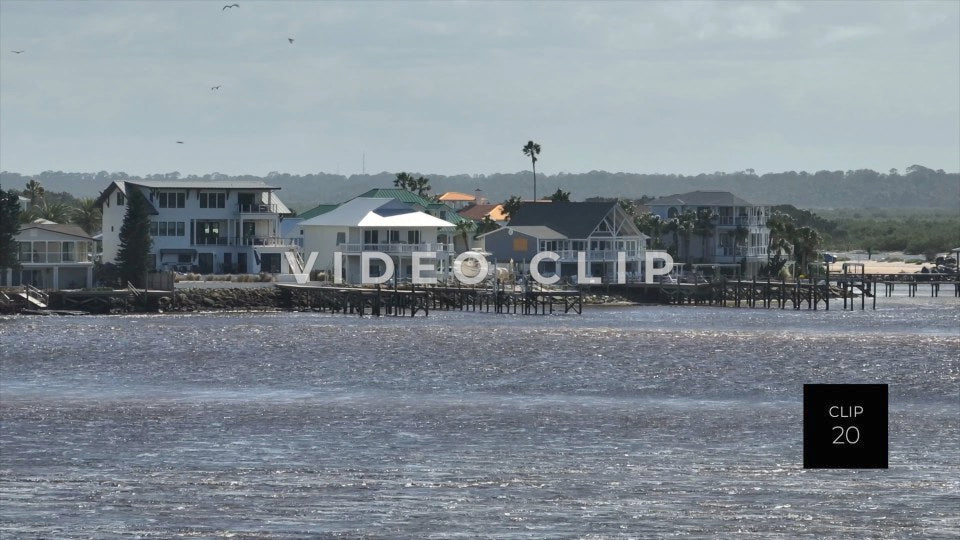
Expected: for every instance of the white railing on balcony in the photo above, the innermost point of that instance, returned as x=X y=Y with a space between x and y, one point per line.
x=599 y=254
x=395 y=248
x=246 y=241
x=755 y=251
x=257 y=208
x=730 y=221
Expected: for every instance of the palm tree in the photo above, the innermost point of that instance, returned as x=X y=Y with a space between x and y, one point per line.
x=404 y=181
x=532 y=150
x=464 y=228
x=87 y=215
x=704 y=227
x=511 y=205
x=421 y=186
x=685 y=224
x=651 y=225
x=56 y=212
x=806 y=243
x=34 y=191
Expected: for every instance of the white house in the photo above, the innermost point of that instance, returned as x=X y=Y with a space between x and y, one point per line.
x=738 y=234
x=601 y=230
x=204 y=226
x=52 y=256
x=381 y=225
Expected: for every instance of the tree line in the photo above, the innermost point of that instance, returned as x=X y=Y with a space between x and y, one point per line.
x=915 y=187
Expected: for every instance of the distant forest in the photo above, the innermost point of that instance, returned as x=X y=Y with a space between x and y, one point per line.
x=915 y=187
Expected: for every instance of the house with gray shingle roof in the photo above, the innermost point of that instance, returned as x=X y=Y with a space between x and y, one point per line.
x=601 y=231
x=735 y=233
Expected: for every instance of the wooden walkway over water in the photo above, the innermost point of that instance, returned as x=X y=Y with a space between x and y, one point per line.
x=414 y=300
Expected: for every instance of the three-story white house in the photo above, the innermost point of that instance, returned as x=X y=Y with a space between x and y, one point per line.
x=366 y=224
x=204 y=226
x=738 y=232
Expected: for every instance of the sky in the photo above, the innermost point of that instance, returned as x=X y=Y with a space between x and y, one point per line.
x=459 y=87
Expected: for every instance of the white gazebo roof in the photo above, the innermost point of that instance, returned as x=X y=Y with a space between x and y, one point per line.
x=372 y=212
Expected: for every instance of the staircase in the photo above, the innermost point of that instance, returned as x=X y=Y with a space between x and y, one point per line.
x=35 y=296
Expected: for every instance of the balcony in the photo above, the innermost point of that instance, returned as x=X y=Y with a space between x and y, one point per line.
x=247 y=241
x=738 y=252
x=395 y=248
x=599 y=255
x=257 y=208
x=741 y=221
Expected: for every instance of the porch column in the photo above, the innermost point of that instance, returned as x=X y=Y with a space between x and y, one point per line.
x=89 y=277
x=56 y=277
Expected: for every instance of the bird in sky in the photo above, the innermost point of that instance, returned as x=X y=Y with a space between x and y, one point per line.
x=212 y=88
x=230 y=6
x=290 y=39
x=16 y=52
x=179 y=142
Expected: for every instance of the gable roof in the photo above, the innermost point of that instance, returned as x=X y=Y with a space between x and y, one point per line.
x=396 y=193
x=701 y=198
x=571 y=219
x=479 y=211
x=457 y=196
x=71 y=230
x=318 y=210
x=375 y=212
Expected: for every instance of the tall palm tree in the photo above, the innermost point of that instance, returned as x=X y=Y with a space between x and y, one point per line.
x=404 y=181
x=685 y=224
x=87 y=215
x=704 y=226
x=532 y=150
x=806 y=243
x=35 y=192
x=464 y=228
x=421 y=186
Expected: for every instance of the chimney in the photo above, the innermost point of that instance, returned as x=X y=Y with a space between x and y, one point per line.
x=478 y=197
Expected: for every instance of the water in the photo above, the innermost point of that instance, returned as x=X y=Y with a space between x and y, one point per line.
x=624 y=422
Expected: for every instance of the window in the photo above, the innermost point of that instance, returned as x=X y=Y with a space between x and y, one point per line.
x=68 y=252
x=341 y=237
x=53 y=252
x=25 y=251
x=167 y=228
x=119 y=198
x=180 y=228
x=394 y=237
x=172 y=200
x=163 y=228
x=184 y=258
x=154 y=228
x=213 y=200
x=519 y=244
x=413 y=237
x=371 y=237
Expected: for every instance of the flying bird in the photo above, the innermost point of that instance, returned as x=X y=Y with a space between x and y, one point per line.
x=212 y=88
x=230 y=6
x=179 y=142
x=290 y=39
x=16 y=52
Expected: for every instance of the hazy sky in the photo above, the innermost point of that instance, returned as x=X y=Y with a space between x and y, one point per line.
x=459 y=87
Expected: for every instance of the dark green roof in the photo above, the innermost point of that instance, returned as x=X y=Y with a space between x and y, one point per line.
x=317 y=210
x=401 y=195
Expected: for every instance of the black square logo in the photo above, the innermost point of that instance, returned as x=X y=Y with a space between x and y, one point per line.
x=844 y=426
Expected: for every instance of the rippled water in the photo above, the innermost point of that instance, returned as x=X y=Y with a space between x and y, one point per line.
x=633 y=422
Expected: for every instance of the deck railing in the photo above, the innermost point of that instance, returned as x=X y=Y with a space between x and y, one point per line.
x=395 y=247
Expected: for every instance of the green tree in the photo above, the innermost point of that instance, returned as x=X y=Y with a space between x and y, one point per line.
x=420 y=186
x=653 y=226
x=404 y=181
x=511 y=205
x=87 y=215
x=35 y=192
x=9 y=226
x=464 y=228
x=532 y=150
x=560 y=196
x=133 y=256
x=682 y=227
x=55 y=212
x=486 y=225
x=704 y=226
x=806 y=243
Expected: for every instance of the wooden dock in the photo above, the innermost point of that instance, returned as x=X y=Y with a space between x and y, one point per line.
x=414 y=300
